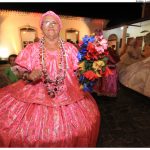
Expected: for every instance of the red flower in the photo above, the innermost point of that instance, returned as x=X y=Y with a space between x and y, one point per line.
x=106 y=53
x=90 y=75
x=107 y=72
x=92 y=52
x=91 y=48
x=88 y=56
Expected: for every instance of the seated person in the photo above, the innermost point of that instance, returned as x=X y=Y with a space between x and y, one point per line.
x=10 y=71
x=137 y=75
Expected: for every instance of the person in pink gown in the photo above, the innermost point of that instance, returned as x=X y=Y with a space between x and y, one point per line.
x=47 y=108
x=136 y=76
x=109 y=85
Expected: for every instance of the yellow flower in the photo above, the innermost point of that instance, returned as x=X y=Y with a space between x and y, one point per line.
x=81 y=65
x=97 y=73
x=92 y=34
x=81 y=86
x=97 y=65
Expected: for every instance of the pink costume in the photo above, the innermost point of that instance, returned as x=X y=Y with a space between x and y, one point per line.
x=30 y=118
x=108 y=86
x=51 y=13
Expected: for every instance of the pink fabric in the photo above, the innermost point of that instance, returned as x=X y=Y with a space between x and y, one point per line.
x=51 y=13
x=108 y=86
x=29 y=59
x=30 y=118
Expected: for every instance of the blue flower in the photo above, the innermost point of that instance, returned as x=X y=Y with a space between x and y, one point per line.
x=88 y=39
x=80 y=56
x=85 y=38
x=91 y=83
x=87 y=87
x=81 y=79
x=92 y=39
x=83 y=51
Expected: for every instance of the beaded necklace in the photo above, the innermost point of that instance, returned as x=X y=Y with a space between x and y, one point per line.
x=53 y=86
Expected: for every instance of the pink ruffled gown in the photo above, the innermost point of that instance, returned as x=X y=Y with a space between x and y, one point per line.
x=30 y=118
x=109 y=85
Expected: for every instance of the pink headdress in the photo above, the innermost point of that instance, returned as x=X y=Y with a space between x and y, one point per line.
x=51 y=13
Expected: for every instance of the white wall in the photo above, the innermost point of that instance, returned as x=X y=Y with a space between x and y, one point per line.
x=135 y=31
x=132 y=30
x=12 y=21
x=10 y=25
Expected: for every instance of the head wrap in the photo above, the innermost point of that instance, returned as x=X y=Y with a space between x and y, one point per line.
x=51 y=13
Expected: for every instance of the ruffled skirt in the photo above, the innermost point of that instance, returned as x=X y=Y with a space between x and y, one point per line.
x=108 y=86
x=34 y=125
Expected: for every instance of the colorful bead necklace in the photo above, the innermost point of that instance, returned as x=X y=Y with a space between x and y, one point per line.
x=53 y=86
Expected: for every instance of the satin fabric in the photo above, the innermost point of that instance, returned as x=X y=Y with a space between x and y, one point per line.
x=137 y=77
x=30 y=118
x=108 y=86
x=131 y=56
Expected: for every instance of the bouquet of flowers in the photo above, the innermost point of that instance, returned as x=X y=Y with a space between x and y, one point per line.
x=93 y=57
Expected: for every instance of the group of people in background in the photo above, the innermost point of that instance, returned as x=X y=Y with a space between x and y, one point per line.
x=134 y=67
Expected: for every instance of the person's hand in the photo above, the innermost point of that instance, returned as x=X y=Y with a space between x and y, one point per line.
x=35 y=75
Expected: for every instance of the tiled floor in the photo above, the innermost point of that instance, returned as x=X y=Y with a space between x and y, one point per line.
x=125 y=120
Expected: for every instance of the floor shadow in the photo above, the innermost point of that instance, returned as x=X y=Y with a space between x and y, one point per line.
x=125 y=120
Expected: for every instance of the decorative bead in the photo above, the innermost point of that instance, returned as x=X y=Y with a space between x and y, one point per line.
x=45 y=81
x=51 y=94
x=53 y=85
x=55 y=89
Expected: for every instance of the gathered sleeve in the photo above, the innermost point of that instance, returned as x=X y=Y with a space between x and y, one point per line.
x=23 y=60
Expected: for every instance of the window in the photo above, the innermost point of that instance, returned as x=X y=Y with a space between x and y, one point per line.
x=28 y=35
